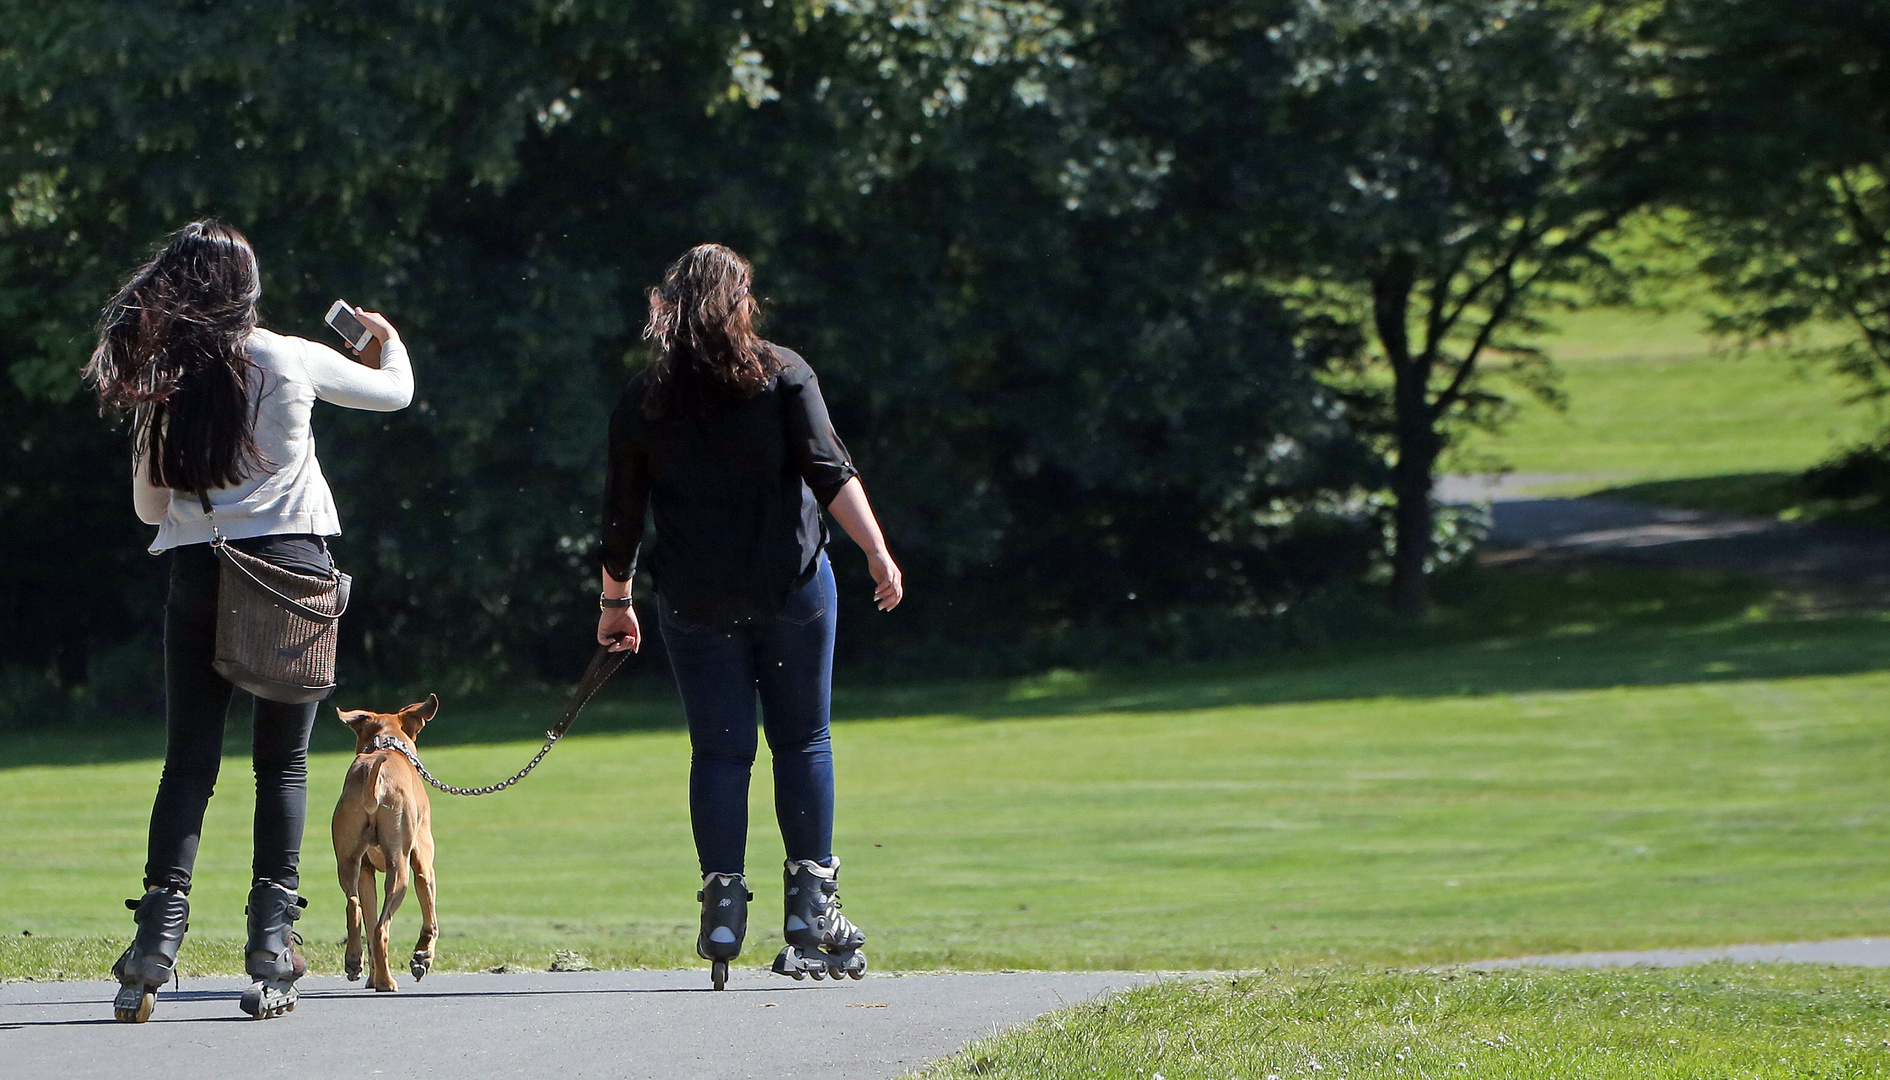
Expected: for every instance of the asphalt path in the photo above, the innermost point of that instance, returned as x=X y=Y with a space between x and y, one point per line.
x=565 y=1026
x=1850 y=561
x=1849 y=952
x=616 y=1024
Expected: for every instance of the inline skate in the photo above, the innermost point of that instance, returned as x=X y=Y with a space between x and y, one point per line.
x=151 y=959
x=724 y=900
x=271 y=957
x=821 y=941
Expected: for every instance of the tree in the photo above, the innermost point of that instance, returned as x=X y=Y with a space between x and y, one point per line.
x=1788 y=109
x=1427 y=171
x=1053 y=391
x=1470 y=155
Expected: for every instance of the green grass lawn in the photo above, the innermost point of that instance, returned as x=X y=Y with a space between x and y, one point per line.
x=1599 y=760
x=1716 y=1021
x=1650 y=397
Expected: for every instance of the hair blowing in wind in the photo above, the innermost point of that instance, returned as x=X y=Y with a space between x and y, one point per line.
x=702 y=324
x=171 y=352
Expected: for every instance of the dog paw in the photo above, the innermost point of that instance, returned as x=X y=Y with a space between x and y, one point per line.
x=387 y=987
x=420 y=965
x=353 y=971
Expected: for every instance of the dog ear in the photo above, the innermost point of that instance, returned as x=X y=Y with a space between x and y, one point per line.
x=415 y=717
x=354 y=718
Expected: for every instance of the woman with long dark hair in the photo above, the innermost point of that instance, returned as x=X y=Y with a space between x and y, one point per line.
x=219 y=412
x=724 y=439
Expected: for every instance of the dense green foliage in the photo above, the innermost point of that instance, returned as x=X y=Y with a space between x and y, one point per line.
x=1131 y=312
x=1052 y=394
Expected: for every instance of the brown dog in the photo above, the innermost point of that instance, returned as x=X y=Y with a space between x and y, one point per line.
x=385 y=822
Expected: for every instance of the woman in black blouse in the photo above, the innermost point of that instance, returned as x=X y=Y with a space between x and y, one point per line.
x=725 y=441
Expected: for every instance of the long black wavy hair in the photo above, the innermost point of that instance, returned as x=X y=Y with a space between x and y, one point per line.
x=702 y=328
x=172 y=352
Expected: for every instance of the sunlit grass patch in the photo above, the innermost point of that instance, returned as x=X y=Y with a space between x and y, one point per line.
x=1715 y=1021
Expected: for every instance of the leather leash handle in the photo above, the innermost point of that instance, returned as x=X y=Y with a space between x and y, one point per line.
x=603 y=665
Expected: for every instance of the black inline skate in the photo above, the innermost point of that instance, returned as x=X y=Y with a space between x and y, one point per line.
x=724 y=900
x=821 y=941
x=271 y=957
x=149 y=962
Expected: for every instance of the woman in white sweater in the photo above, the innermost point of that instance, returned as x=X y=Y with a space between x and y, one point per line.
x=220 y=411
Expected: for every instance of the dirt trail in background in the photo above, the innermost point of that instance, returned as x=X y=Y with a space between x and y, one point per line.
x=1841 y=564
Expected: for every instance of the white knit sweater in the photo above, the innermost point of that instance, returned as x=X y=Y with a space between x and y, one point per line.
x=292 y=497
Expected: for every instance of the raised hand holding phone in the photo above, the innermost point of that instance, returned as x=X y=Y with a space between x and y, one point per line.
x=364 y=331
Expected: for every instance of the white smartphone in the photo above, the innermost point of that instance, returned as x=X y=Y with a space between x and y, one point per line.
x=352 y=330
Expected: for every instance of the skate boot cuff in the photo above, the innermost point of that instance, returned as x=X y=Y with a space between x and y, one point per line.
x=270 y=954
x=809 y=866
x=150 y=961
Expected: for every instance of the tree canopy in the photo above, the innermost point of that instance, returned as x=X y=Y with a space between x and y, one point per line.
x=1133 y=313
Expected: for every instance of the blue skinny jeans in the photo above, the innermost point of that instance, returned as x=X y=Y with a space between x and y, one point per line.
x=786 y=662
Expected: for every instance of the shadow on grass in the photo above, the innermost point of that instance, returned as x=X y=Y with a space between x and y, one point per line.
x=1496 y=632
x=1781 y=495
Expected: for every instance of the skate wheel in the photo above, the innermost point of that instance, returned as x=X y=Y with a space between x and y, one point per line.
x=858 y=973
x=718 y=973
x=139 y=1013
x=799 y=975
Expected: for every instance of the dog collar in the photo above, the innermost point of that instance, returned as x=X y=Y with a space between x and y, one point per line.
x=385 y=742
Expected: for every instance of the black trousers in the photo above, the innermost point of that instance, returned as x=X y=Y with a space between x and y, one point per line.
x=196 y=701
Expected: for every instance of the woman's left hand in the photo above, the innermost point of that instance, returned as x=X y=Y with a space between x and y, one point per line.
x=617 y=629
x=891 y=584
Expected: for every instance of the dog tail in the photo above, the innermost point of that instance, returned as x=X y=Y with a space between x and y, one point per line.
x=374 y=791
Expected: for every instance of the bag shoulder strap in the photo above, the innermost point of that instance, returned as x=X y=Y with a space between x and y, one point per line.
x=340 y=581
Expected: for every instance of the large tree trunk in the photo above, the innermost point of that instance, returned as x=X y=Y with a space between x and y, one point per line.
x=1411 y=485
x=1418 y=443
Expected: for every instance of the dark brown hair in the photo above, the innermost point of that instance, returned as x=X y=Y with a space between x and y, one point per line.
x=702 y=324
x=172 y=352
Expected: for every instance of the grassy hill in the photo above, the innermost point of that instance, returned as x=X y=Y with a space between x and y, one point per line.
x=1641 y=759
x=1651 y=397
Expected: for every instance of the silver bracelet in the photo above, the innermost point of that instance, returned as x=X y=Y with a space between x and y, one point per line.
x=608 y=602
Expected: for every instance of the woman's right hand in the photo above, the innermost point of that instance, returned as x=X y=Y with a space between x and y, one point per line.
x=381 y=330
x=377 y=324
x=617 y=629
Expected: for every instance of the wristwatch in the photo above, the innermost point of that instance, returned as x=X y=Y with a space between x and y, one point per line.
x=607 y=602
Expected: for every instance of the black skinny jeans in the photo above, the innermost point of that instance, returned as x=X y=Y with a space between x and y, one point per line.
x=196 y=701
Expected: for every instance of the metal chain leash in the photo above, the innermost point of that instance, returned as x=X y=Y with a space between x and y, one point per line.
x=385 y=743
x=602 y=666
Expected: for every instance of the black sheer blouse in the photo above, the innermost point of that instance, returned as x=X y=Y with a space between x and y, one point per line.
x=736 y=496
